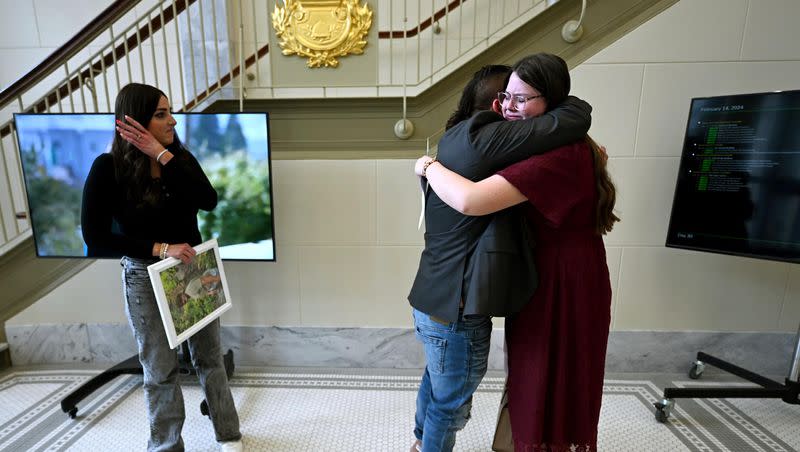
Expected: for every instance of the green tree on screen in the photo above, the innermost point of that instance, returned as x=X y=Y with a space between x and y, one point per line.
x=234 y=137
x=244 y=212
x=55 y=210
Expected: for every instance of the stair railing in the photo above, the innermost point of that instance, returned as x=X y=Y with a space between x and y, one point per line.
x=185 y=48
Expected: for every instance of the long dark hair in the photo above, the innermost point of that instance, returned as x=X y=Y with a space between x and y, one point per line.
x=479 y=92
x=549 y=75
x=606 y=193
x=132 y=166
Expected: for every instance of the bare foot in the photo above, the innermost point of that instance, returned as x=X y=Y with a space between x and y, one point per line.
x=417 y=446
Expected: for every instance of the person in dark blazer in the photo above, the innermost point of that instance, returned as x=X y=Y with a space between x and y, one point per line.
x=473 y=268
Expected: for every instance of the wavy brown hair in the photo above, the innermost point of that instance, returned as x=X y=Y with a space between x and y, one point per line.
x=606 y=193
x=549 y=74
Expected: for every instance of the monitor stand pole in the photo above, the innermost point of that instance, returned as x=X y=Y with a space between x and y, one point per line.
x=131 y=366
x=789 y=391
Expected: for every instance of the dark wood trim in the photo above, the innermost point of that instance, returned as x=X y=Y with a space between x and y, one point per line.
x=251 y=60
x=423 y=25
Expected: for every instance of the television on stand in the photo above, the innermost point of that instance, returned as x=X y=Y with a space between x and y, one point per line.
x=738 y=188
x=57 y=151
x=738 y=193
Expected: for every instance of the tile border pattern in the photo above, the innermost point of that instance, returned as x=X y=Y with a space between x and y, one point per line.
x=713 y=425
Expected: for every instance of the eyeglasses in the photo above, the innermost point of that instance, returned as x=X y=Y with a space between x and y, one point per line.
x=519 y=99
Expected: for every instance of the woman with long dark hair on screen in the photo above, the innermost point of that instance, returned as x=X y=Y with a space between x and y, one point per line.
x=140 y=201
x=557 y=344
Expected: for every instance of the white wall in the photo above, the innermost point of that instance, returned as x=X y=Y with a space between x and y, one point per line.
x=346 y=230
x=30 y=30
x=641 y=88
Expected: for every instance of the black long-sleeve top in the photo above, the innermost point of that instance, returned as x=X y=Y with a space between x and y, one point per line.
x=114 y=226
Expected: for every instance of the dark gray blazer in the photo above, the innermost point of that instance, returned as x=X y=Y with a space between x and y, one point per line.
x=487 y=261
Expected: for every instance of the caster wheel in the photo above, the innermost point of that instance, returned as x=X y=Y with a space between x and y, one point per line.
x=73 y=413
x=663 y=409
x=204 y=408
x=696 y=370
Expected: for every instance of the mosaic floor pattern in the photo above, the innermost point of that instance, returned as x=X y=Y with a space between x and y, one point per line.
x=368 y=410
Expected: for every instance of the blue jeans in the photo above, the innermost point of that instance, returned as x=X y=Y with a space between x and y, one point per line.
x=162 y=391
x=456 y=356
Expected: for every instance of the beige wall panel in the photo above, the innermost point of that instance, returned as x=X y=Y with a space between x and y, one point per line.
x=24 y=60
x=18 y=29
x=399 y=203
x=667 y=289
x=262 y=10
x=265 y=293
x=58 y=23
x=645 y=188
x=324 y=201
x=92 y=296
x=790 y=316
x=396 y=267
x=771 y=32
x=368 y=91
x=338 y=287
x=669 y=88
x=357 y=286
x=614 y=91
x=707 y=30
x=298 y=93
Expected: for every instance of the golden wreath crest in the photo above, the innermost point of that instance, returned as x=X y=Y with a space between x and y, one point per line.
x=322 y=30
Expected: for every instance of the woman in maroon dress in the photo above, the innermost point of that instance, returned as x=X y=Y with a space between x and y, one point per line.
x=557 y=344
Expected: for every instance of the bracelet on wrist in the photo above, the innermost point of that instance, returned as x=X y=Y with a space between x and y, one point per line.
x=426 y=165
x=161 y=154
x=164 y=248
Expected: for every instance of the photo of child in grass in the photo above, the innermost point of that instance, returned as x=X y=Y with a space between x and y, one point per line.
x=193 y=290
x=190 y=296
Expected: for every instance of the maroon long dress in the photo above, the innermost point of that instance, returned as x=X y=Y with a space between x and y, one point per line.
x=557 y=344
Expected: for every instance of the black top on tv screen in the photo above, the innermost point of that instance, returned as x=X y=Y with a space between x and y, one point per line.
x=57 y=151
x=738 y=189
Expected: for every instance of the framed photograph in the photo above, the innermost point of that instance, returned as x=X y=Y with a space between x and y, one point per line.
x=190 y=296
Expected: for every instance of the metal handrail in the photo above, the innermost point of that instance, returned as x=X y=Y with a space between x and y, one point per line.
x=92 y=84
x=77 y=43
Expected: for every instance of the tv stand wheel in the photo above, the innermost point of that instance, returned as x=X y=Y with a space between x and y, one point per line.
x=73 y=413
x=663 y=409
x=696 y=370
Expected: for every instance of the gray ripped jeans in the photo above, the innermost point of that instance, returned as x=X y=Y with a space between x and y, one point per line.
x=162 y=390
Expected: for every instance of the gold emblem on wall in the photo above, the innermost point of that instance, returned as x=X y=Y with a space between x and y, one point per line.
x=322 y=30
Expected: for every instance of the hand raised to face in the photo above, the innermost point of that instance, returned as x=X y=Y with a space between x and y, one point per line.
x=135 y=134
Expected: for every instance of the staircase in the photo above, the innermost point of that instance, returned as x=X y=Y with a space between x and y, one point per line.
x=200 y=74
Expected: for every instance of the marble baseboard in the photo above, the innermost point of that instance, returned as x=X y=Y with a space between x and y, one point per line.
x=628 y=351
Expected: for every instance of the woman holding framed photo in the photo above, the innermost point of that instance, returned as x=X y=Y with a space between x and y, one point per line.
x=140 y=201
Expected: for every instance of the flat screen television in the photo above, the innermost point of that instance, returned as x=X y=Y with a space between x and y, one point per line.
x=738 y=188
x=57 y=151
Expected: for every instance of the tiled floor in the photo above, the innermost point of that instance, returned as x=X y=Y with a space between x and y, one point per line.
x=368 y=410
